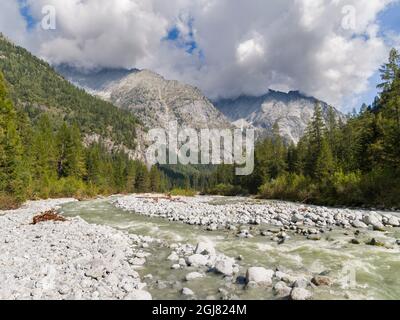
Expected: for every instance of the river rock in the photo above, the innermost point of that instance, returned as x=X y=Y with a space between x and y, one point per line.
x=182 y=262
x=374 y=220
x=314 y=237
x=259 y=275
x=193 y=276
x=224 y=266
x=138 y=295
x=280 y=275
x=297 y=218
x=197 y=260
x=321 y=281
x=137 y=261
x=205 y=248
x=300 y=294
x=394 y=221
x=359 y=224
x=281 y=289
x=187 y=292
x=301 y=283
x=244 y=234
x=173 y=257
x=376 y=243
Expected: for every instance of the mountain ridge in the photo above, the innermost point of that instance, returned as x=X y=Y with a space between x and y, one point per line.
x=154 y=100
x=292 y=111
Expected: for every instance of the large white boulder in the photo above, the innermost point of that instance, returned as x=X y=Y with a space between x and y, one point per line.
x=197 y=260
x=394 y=221
x=259 y=275
x=373 y=220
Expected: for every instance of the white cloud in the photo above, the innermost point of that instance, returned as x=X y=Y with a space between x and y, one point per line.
x=246 y=46
x=101 y=33
x=251 y=50
x=11 y=22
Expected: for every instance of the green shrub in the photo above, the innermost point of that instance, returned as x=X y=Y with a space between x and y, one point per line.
x=291 y=187
x=227 y=190
x=345 y=189
x=381 y=188
x=183 y=192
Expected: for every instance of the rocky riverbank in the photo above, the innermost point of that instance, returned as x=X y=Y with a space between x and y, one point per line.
x=203 y=261
x=73 y=259
x=67 y=260
x=302 y=219
x=257 y=252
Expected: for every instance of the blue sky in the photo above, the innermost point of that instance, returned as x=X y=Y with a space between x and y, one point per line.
x=390 y=18
x=25 y=12
x=389 y=21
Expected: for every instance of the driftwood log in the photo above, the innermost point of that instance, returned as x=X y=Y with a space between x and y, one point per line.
x=50 y=215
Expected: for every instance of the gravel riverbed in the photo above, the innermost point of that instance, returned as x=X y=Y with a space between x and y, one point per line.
x=118 y=257
x=301 y=218
x=66 y=260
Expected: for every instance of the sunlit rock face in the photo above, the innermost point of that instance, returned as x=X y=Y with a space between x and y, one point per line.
x=292 y=111
x=153 y=99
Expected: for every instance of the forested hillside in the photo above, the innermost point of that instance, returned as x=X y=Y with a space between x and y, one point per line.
x=353 y=163
x=43 y=159
x=36 y=88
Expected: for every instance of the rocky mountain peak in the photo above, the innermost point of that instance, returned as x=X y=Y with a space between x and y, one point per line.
x=155 y=100
x=292 y=111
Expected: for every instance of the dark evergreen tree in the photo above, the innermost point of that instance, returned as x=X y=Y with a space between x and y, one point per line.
x=12 y=170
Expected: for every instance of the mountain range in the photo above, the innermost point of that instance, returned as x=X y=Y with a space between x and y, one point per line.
x=157 y=101
x=119 y=106
x=292 y=111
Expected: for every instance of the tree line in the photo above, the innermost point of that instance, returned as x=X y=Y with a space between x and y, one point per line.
x=43 y=158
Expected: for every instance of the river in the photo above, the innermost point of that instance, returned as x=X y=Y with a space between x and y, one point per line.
x=358 y=271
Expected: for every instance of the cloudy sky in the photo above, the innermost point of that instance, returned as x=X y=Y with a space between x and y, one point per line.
x=331 y=49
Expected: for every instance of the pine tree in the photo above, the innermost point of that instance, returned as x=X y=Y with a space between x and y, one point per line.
x=314 y=139
x=142 y=181
x=390 y=111
x=155 y=179
x=277 y=163
x=44 y=152
x=120 y=171
x=389 y=70
x=325 y=165
x=293 y=163
x=71 y=162
x=12 y=170
x=332 y=132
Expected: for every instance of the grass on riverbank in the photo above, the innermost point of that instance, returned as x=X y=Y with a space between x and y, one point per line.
x=182 y=192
